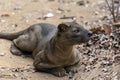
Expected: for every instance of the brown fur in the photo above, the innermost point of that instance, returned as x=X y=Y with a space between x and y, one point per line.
x=52 y=48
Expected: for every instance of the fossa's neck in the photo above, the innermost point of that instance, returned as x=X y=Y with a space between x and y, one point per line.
x=60 y=44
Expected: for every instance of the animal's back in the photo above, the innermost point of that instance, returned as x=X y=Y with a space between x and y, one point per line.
x=47 y=29
x=36 y=35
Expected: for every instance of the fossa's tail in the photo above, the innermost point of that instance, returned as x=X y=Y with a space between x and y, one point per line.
x=11 y=36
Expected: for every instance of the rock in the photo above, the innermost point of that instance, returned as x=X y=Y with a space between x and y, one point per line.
x=87 y=1
x=51 y=0
x=117 y=59
x=116 y=1
x=88 y=68
x=48 y=15
x=70 y=75
x=81 y=17
x=18 y=8
x=3 y=21
x=105 y=70
x=2 y=54
x=106 y=62
x=81 y=3
x=14 y=25
x=35 y=0
x=59 y=10
x=13 y=13
x=61 y=1
x=96 y=13
x=116 y=76
x=24 y=78
x=26 y=20
x=15 y=75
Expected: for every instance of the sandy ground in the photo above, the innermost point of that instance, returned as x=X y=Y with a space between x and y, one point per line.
x=17 y=15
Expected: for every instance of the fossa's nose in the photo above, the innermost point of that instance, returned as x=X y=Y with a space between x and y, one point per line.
x=90 y=33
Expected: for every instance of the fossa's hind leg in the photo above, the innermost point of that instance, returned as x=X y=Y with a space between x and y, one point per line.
x=14 y=50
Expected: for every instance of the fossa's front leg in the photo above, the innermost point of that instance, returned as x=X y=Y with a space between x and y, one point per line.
x=73 y=68
x=42 y=64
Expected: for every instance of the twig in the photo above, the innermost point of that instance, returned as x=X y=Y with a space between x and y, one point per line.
x=113 y=11
x=109 y=6
x=115 y=30
x=68 y=17
x=117 y=13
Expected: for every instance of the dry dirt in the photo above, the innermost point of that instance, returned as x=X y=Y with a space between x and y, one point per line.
x=17 y=15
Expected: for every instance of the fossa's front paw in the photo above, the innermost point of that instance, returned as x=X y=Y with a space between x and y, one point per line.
x=72 y=69
x=59 y=72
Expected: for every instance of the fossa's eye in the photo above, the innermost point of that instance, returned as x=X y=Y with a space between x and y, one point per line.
x=76 y=31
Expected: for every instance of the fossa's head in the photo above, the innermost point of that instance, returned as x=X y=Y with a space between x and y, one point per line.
x=73 y=33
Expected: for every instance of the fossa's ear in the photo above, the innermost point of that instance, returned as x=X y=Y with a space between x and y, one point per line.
x=63 y=27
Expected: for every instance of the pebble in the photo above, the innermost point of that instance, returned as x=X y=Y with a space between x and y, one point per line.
x=59 y=10
x=61 y=1
x=117 y=59
x=3 y=21
x=81 y=3
x=51 y=0
x=2 y=54
x=14 y=25
x=96 y=13
x=105 y=70
x=48 y=15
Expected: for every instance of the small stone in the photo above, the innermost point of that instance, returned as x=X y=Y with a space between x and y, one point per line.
x=107 y=63
x=2 y=54
x=15 y=75
x=81 y=17
x=18 y=8
x=14 y=25
x=96 y=13
x=70 y=75
x=13 y=13
x=116 y=1
x=87 y=1
x=105 y=70
x=116 y=78
x=26 y=21
x=35 y=0
x=3 y=21
x=48 y=15
x=61 y=1
x=59 y=10
x=117 y=59
x=81 y=3
x=51 y=0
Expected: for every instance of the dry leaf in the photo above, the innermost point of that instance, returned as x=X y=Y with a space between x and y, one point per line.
x=107 y=28
x=117 y=24
x=5 y=15
x=117 y=59
x=97 y=30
